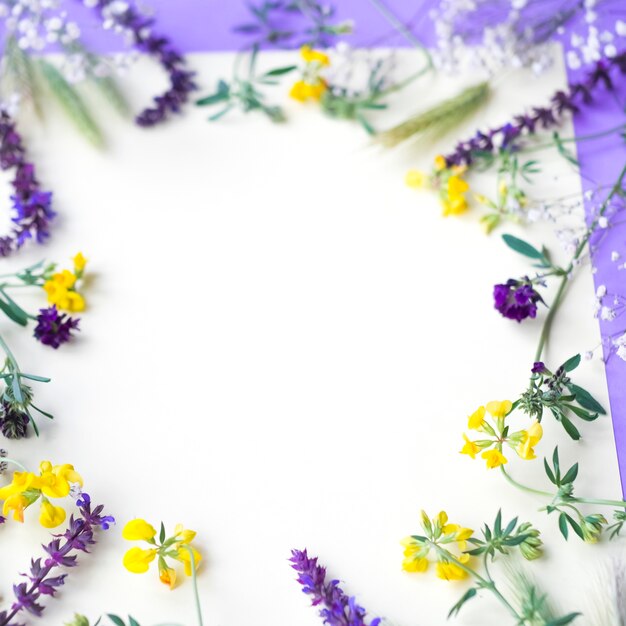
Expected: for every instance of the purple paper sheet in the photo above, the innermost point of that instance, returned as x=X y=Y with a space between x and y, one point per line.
x=207 y=25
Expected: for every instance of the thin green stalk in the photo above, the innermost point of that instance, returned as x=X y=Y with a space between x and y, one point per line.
x=9 y=354
x=194 y=580
x=384 y=10
x=6 y=459
x=618 y=503
x=590 y=137
x=524 y=487
x=486 y=583
x=545 y=331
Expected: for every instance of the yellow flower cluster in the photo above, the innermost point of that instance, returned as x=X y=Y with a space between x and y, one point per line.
x=441 y=536
x=447 y=181
x=311 y=86
x=522 y=441
x=61 y=287
x=178 y=547
x=26 y=488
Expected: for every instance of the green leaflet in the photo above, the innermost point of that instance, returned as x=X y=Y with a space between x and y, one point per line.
x=72 y=103
x=439 y=119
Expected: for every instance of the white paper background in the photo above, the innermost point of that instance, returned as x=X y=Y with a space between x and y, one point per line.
x=282 y=345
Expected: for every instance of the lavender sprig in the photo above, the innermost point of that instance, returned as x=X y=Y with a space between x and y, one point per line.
x=32 y=206
x=124 y=18
x=562 y=102
x=77 y=538
x=336 y=608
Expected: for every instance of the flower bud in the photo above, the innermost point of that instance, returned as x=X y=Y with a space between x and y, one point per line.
x=532 y=547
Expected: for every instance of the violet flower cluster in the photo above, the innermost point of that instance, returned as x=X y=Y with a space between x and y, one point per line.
x=54 y=328
x=516 y=299
x=32 y=206
x=540 y=118
x=336 y=608
x=42 y=579
x=123 y=17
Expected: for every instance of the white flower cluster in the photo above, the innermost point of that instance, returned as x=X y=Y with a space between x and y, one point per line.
x=467 y=41
x=595 y=44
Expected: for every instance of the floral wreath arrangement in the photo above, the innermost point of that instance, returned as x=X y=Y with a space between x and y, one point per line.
x=503 y=433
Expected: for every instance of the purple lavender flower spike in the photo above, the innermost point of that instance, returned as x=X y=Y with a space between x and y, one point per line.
x=516 y=300
x=31 y=206
x=562 y=102
x=127 y=19
x=336 y=608
x=78 y=537
x=54 y=328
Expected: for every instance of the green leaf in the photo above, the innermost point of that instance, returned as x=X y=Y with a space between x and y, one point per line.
x=468 y=595
x=522 y=247
x=571 y=475
x=280 y=71
x=14 y=312
x=586 y=400
x=162 y=533
x=582 y=413
x=562 y=621
x=556 y=464
x=570 y=429
x=563 y=525
x=572 y=363
x=213 y=99
x=551 y=476
x=577 y=529
x=118 y=621
x=71 y=103
x=132 y=621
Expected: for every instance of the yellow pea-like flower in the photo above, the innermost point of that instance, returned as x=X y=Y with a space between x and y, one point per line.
x=168 y=577
x=475 y=420
x=531 y=438
x=299 y=91
x=53 y=486
x=440 y=162
x=184 y=536
x=67 y=472
x=184 y=557
x=415 y=179
x=413 y=565
x=75 y=302
x=137 y=560
x=494 y=458
x=64 y=279
x=15 y=504
x=452 y=571
x=51 y=516
x=455 y=205
x=469 y=448
x=314 y=56
x=499 y=408
x=138 y=530
x=456 y=186
x=79 y=263
x=21 y=482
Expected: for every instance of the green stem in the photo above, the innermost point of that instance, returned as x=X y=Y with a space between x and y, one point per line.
x=194 y=580
x=486 y=583
x=618 y=503
x=536 y=492
x=545 y=331
x=6 y=459
x=590 y=137
x=9 y=354
x=403 y=30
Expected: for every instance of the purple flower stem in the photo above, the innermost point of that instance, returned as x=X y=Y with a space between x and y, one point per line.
x=139 y=27
x=78 y=537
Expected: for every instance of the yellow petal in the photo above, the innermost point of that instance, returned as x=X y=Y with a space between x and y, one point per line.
x=440 y=162
x=499 y=408
x=54 y=486
x=79 y=262
x=51 y=516
x=494 y=458
x=138 y=530
x=475 y=420
x=450 y=571
x=168 y=577
x=415 y=179
x=469 y=448
x=16 y=504
x=185 y=558
x=138 y=561
x=75 y=302
x=183 y=535
x=442 y=518
x=415 y=565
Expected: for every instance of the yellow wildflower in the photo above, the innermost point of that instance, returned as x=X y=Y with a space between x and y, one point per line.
x=167 y=576
x=440 y=162
x=137 y=560
x=454 y=206
x=469 y=448
x=64 y=279
x=303 y=91
x=314 y=56
x=184 y=556
x=476 y=419
x=494 y=458
x=415 y=179
x=16 y=504
x=138 y=530
x=499 y=409
x=530 y=438
x=456 y=186
x=51 y=516
x=184 y=536
x=452 y=571
x=79 y=263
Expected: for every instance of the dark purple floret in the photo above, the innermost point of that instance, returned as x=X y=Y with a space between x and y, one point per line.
x=13 y=421
x=516 y=300
x=562 y=103
x=539 y=368
x=336 y=608
x=181 y=79
x=32 y=206
x=54 y=328
x=78 y=537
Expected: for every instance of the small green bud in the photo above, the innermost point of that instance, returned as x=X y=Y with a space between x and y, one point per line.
x=532 y=547
x=591 y=526
x=79 y=620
